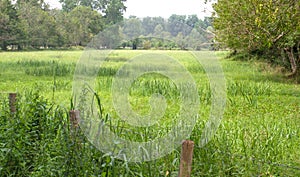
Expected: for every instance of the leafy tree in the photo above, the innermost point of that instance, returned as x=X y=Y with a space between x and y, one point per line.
x=69 y=5
x=270 y=28
x=207 y=22
x=9 y=28
x=37 y=25
x=177 y=24
x=60 y=36
x=158 y=31
x=147 y=44
x=82 y=25
x=180 y=41
x=36 y=3
x=192 y=21
x=132 y=28
x=109 y=38
x=195 y=40
x=112 y=9
x=32 y=24
x=150 y=23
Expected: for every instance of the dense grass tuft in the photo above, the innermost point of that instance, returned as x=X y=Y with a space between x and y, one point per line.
x=259 y=134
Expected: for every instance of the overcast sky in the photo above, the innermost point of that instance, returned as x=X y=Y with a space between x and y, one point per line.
x=163 y=8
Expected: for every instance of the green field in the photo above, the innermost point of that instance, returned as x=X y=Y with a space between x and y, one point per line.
x=258 y=136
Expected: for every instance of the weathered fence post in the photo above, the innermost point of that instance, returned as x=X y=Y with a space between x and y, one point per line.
x=186 y=159
x=12 y=102
x=74 y=129
x=74 y=118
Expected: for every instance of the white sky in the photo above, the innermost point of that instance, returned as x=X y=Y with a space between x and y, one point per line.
x=163 y=8
x=54 y=3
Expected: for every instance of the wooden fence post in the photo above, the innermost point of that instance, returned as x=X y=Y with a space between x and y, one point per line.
x=12 y=102
x=74 y=118
x=186 y=159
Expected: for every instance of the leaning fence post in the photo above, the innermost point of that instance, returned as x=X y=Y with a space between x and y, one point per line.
x=186 y=158
x=74 y=118
x=12 y=102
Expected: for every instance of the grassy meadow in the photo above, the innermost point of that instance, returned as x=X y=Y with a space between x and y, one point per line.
x=258 y=136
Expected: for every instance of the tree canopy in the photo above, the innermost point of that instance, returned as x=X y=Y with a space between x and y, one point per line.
x=32 y=24
x=269 y=28
x=178 y=31
x=112 y=9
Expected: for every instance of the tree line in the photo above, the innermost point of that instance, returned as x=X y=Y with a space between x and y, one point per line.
x=28 y=24
x=257 y=27
x=178 y=31
x=265 y=28
x=32 y=24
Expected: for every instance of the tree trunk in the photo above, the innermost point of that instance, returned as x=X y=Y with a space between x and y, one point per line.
x=4 y=46
x=19 y=47
x=293 y=61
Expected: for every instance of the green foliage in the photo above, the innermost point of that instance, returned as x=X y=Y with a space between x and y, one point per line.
x=9 y=29
x=113 y=9
x=31 y=24
x=83 y=24
x=132 y=27
x=177 y=32
x=261 y=27
x=37 y=26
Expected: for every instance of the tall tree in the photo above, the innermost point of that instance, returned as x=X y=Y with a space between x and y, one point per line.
x=82 y=25
x=177 y=24
x=9 y=24
x=149 y=24
x=158 y=31
x=192 y=21
x=196 y=40
x=132 y=28
x=59 y=36
x=36 y=23
x=112 y=9
x=264 y=27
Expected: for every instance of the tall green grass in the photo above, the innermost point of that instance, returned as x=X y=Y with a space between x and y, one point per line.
x=259 y=135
